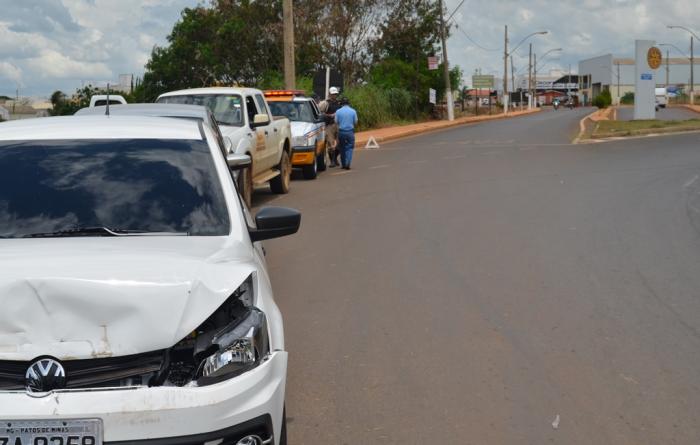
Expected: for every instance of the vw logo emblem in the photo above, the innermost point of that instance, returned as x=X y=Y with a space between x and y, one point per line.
x=45 y=375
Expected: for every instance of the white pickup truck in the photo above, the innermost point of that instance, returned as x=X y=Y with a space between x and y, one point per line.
x=244 y=117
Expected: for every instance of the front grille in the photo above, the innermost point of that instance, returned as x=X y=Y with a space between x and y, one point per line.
x=92 y=373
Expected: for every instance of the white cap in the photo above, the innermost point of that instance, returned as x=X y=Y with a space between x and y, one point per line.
x=333 y=90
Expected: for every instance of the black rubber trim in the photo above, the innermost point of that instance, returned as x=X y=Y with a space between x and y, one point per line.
x=259 y=425
x=303 y=149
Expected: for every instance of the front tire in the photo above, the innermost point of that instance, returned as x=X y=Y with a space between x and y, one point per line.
x=321 y=161
x=310 y=171
x=280 y=184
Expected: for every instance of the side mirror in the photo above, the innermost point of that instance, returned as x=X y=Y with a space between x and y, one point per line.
x=275 y=222
x=238 y=162
x=228 y=144
x=260 y=120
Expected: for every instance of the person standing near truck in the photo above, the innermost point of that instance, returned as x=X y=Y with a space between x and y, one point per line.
x=328 y=107
x=346 y=118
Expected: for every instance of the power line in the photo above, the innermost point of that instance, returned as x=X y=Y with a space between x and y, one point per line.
x=474 y=42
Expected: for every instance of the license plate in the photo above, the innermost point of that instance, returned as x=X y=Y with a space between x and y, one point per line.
x=51 y=432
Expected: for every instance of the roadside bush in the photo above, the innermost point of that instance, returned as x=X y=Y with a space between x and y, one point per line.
x=371 y=104
x=603 y=100
x=628 y=98
x=400 y=103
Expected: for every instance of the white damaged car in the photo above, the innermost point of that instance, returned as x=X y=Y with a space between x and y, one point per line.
x=136 y=305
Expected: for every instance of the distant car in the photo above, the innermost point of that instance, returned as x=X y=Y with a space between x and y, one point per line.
x=101 y=99
x=308 y=129
x=661 y=95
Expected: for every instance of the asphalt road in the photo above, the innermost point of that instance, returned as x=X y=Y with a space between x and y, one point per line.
x=664 y=114
x=492 y=284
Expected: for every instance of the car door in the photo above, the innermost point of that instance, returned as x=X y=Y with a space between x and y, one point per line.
x=272 y=135
x=261 y=163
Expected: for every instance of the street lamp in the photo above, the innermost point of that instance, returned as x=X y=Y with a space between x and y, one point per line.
x=692 y=60
x=677 y=49
x=534 y=71
x=507 y=54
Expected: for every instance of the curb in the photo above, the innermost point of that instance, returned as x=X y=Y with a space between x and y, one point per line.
x=430 y=127
x=582 y=127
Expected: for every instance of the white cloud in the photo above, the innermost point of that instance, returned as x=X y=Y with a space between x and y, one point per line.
x=12 y=73
x=52 y=64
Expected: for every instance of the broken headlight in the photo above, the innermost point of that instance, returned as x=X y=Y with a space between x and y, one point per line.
x=233 y=340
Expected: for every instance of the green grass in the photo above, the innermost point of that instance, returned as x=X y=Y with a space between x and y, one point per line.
x=606 y=129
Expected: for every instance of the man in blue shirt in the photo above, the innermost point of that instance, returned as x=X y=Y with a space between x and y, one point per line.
x=346 y=118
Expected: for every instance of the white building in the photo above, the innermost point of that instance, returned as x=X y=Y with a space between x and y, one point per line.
x=617 y=75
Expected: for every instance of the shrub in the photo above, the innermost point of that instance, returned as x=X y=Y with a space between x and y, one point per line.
x=628 y=98
x=603 y=100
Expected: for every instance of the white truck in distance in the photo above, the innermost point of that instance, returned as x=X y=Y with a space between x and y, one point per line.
x=244 y=117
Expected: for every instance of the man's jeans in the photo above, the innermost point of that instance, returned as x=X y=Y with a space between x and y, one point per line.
x=346 y=143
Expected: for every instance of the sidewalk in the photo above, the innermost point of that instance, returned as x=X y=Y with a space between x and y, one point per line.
x=382 y=135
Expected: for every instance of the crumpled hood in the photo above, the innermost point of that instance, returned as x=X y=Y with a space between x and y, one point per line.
x=75 y=298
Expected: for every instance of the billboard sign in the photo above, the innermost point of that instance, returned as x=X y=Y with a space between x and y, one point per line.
x=483 y=81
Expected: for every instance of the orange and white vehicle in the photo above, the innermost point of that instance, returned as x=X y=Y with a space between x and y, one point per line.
x=307 y=126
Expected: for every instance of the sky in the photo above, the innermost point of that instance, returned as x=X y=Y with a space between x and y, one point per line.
x=49 y=45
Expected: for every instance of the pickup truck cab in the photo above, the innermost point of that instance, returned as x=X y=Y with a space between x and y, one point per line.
x=308 y=129
x=244 y=117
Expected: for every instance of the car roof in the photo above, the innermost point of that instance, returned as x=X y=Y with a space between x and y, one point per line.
x=100 y=127
x=162 y=110
x=212 y=90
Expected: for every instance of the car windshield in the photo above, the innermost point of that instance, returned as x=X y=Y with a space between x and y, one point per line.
x=127 y=186
x=294 y=111
x=227 y=109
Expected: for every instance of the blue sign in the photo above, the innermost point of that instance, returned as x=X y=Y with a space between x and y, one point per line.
x=646 y=76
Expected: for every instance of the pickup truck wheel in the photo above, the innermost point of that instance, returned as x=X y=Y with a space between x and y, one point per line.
x=280 y=184
x=245 y=186
x=321 y=161
x=311 y=171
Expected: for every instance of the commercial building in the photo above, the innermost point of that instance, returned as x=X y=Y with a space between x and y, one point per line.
x=617 y=75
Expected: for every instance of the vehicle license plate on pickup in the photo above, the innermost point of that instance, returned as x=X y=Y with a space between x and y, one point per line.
x=51 y=432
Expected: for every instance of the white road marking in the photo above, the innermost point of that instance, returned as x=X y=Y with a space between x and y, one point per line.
x=492 y=152
x=374 y=167
x=344 y=172
x=422 y=161
x=691 y=181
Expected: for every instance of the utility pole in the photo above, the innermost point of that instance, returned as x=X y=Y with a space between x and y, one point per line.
x=446 y=66
x=692 y=68
x=529 y=79
x=512 y=75
x=505 y=73
x=534 y=80
x=288 y=23
x=667 y=68
x=618 y=82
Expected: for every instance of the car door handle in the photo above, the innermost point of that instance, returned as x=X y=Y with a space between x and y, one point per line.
x=275 y=130
x=266 y=133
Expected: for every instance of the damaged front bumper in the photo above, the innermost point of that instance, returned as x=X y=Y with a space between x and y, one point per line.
x=253 y=401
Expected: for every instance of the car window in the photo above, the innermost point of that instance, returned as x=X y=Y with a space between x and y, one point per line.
x=149 y=185
x=261 y=104
x=294 y=111
x=227 y=109
x=252 y=109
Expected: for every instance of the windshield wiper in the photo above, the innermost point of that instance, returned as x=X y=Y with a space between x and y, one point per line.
x=100 y=231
